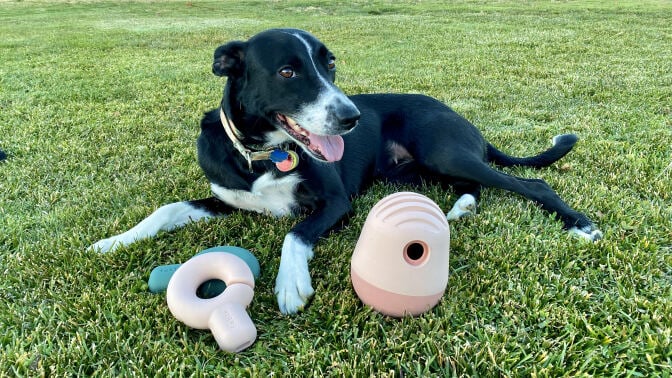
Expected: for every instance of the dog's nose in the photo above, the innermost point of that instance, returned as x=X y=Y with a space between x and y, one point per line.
x=347 y=119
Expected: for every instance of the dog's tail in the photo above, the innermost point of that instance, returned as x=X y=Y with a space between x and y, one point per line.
x=562 y=144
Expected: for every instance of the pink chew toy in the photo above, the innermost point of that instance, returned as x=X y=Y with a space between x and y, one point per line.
x=224 y=314
x=400 y=263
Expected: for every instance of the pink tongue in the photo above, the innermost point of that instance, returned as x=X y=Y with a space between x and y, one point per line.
x=330 y=146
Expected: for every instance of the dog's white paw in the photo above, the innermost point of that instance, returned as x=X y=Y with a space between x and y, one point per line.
x=292 y=285
x=106 y=245
x=464 y=207
x=588 y=233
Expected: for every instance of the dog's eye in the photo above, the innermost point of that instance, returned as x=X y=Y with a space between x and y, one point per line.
x=332 y=63
x=287 y=72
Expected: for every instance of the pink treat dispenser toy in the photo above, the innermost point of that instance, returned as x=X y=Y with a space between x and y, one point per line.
x=400 y=264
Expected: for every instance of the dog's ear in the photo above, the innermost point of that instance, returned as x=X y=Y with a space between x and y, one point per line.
x=229 y=59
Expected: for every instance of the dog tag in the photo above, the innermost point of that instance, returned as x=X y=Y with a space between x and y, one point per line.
x=289 y=163
x=278 y=156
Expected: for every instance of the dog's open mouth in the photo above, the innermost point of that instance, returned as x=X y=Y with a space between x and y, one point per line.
x=324 y=147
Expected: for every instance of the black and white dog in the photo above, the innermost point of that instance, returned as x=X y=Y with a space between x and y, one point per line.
x=281 y=107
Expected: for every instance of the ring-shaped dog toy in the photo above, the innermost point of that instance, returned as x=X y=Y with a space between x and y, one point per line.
x=224 y=314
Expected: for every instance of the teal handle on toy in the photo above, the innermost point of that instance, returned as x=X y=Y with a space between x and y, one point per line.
x=160 y=276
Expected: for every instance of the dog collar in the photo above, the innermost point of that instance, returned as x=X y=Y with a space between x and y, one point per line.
x=285 y=161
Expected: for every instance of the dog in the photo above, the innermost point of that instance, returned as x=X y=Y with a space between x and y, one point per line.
x=287 y=141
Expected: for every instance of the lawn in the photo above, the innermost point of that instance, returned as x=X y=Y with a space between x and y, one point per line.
x=100 y=103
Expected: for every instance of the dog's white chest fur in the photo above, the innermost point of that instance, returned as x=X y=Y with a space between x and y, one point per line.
x=268 y=195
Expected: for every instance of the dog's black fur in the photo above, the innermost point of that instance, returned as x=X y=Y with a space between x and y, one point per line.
x=284 y=77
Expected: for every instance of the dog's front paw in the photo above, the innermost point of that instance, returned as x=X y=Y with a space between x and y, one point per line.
x=292 y=285
x=293 y=292
x=105 y=245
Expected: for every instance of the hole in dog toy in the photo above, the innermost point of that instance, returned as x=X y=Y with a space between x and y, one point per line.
x=210 y=289
x=415 y=253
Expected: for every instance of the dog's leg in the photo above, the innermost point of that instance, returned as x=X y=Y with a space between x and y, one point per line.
x=540 y=192
x=576 y=224
x=535 y=189
x=293 y=286
x=165 y=218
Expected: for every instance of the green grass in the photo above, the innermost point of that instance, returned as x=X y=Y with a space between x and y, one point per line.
x=99 y=111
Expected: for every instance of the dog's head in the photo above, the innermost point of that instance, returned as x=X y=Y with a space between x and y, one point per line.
x=286 y=77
